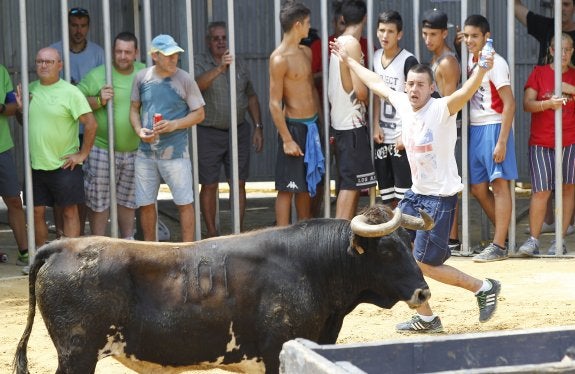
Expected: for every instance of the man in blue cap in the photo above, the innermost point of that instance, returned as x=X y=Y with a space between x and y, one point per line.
x=165 y=102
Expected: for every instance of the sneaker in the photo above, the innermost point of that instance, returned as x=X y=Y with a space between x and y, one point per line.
x=545 y=228
x=553 y=249
x=455 y=247
x=416 y=324
x=22 y=258
x=529 y=248
x=26 y=270
x=491 y=253
x=487 y=300
x=570 y=230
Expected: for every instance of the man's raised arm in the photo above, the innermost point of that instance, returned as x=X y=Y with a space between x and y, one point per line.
x=368 y=77
x=459 y=98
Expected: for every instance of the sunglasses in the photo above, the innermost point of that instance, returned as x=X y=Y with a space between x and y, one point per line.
x=78 y=12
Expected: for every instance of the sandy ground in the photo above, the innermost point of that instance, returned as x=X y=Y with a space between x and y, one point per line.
x=535 y=293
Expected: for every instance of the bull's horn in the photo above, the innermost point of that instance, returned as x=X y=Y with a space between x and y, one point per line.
x=416 y=223
x=360 y=227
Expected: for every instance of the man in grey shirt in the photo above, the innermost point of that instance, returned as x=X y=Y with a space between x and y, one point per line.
x=213 y=78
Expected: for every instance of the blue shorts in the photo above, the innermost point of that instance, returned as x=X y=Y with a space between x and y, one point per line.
x=431 y=247
x=482 y=167
x=177 y=173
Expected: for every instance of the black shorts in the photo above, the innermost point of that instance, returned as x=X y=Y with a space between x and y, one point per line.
x=61 y=187
x=9 y=186
x=355 y=166
x=393 y=172
x=290 y=170
x=214 y=150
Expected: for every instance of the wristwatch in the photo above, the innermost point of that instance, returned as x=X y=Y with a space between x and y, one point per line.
x=2 y=108
x=259 y=126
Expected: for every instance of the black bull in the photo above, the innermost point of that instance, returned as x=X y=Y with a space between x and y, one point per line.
x=227 y=302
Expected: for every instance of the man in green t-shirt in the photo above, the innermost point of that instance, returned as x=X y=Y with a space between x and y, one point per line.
x=9 y=186
x=126 y=141
x=56 y=106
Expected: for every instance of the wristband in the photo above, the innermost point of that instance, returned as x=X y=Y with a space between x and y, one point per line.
x=99 y=101
x=259 y=126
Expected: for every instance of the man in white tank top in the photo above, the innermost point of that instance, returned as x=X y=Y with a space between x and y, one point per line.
x=429 y=134
x=347 y=96
x=391 y=63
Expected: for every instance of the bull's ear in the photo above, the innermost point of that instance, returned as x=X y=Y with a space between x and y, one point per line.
x=354 y=247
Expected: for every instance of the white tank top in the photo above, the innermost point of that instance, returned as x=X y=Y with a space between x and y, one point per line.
x=347 y=112
x=394 y=77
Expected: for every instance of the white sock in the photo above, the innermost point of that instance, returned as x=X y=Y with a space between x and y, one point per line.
x=427 y=318
x=536 y=240
x=486 y=286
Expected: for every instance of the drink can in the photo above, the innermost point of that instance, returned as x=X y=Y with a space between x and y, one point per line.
x=3 y=257
x=157 y=117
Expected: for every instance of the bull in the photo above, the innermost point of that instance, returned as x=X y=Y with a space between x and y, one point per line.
x=228 y=302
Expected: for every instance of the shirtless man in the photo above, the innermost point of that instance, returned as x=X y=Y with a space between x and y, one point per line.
x=294 y=105
x=446 y=73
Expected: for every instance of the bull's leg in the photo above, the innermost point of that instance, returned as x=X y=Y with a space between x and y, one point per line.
x=331 y=329
x=76 y=363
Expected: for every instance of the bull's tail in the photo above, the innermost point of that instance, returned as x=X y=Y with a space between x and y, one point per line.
x=20 y=358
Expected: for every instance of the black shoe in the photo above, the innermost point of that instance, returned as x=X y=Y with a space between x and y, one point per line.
x=487 y=300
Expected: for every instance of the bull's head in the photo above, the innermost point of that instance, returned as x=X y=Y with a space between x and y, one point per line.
x=379 y=221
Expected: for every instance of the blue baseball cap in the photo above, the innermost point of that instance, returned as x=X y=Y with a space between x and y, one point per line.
x=166 y=45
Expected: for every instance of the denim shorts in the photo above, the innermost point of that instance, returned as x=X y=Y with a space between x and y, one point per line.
x=177 y=173
x=431 y=247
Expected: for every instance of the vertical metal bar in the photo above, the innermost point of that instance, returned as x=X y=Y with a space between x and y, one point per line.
x=65 y=39
x=511 y=61
x=416 y=37
x=464 y=146
x=147 y=31
x=26 y=105
x=278 y=29
x=195 y=171
x=369 y=65
x=558 y=133
x=110 y=112
x=137 y=25
x=235 y=195
x=325 y=103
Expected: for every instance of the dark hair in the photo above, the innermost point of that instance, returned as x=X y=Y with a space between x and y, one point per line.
x=292 y=12
x=422 y=68
x=336 y=7
x=214 y=25
x=353 y=11
x=477 y=20
x=126 y=36
x=391 y=16
x=78 y=13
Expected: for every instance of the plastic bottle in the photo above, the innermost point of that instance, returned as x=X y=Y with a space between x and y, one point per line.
x=486 y=51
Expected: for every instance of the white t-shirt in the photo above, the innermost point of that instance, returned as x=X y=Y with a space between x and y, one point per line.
x=486 y=105
x=347 y=112
x=394 y=77
x=429 y=136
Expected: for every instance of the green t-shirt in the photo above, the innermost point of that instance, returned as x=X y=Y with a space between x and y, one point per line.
x=5 y=86
x=126 y=140
x=53 y=123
